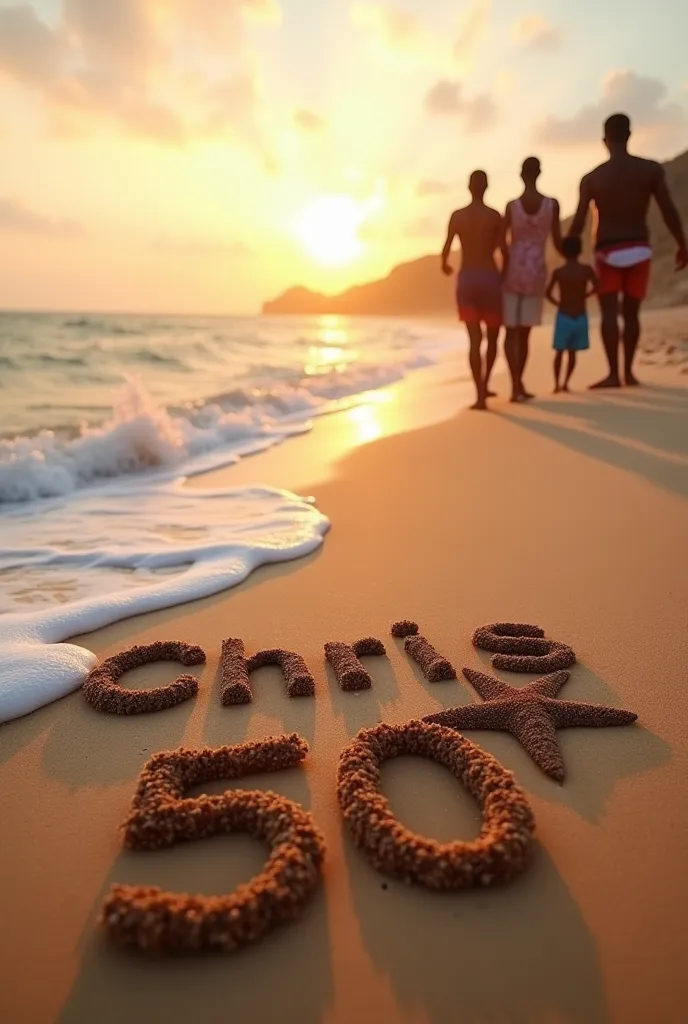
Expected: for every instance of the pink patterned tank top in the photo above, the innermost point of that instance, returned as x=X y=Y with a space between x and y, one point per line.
x=527 y=274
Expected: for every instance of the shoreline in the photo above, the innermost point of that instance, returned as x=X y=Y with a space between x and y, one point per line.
x=526 y=513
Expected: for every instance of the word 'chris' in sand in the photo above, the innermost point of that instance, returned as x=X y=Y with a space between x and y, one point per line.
x=575 y=282
x=479 y=283
x=621 y=190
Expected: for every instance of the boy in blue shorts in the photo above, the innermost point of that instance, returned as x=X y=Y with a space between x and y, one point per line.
x=576 y=282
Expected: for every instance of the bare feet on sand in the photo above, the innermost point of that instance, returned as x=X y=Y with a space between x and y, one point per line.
x=631 y=381
x=608 y=382
x=480 y=404
x=521 y=396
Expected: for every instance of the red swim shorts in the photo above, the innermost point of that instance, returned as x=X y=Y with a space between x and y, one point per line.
x=632 y=281
x=479 y=297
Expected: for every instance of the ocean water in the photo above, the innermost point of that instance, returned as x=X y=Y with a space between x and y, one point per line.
x=219 y=380
x=102 y=418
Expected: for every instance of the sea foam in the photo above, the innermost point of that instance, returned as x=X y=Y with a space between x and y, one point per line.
x=142 y=435
x=80 y=563
x=95 y=522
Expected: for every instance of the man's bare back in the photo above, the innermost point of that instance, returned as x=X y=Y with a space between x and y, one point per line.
x=479 y=230
x=622 y=189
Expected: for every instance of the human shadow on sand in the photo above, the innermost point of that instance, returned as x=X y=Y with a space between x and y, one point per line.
x=286 y=976
x=661 y=391
x=662 y=432
x=520 y=953
x=659 y=423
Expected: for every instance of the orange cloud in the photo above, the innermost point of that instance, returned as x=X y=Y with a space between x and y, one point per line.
x=392 y=31
x=201 y=247
x=427 y=187
x=16 y=217
x=643 y=99
x=473 y=28
x=308 y=121
x=446 y=99
x=122 y=62
x=532 y=30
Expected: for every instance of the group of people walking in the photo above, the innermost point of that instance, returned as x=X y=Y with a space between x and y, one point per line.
x=489 y=297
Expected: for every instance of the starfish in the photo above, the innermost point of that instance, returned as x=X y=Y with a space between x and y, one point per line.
x=531 y=714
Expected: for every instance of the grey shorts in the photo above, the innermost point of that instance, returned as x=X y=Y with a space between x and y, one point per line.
x=522 y=310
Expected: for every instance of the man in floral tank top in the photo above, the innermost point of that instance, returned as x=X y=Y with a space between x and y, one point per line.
x=529 y=221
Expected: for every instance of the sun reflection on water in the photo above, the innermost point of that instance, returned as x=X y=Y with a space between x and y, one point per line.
x=331 y=351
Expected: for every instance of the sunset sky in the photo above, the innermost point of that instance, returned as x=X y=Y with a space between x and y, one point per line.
x=202 y=155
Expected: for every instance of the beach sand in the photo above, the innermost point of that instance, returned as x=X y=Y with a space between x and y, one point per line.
x=569 y=513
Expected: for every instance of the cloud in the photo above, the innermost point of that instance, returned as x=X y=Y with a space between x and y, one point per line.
x=29 y=50
x=391 y=30
x=431 y=187
x=202 y=247
x=473 y=28
x=308 y=121
x=18 y=218
x=446 y=99
x=535 y=32
x=389 y=232
x=169 y=70
x=643 y=99
x=396 y=33
x=423 y=227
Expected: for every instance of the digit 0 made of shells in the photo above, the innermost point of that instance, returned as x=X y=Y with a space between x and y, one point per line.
x=500 y=853
x=520 y=647
x=150 y=920
x=103 y=691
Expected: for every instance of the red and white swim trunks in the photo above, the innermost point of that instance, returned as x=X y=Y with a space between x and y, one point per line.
x=624 y=267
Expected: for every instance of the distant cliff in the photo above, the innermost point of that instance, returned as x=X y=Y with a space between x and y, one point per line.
x=411 y=289
x=419 y=288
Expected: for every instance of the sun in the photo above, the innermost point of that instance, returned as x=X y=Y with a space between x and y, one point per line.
x=327 y=229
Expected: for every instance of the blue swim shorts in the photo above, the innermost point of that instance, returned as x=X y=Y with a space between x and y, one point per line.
x=571 y=333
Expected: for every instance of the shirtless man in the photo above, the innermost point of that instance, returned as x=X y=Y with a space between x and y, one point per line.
x=621 y=190
x=479 y=282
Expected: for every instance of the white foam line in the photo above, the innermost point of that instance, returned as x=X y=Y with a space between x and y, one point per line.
x=243 y=529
